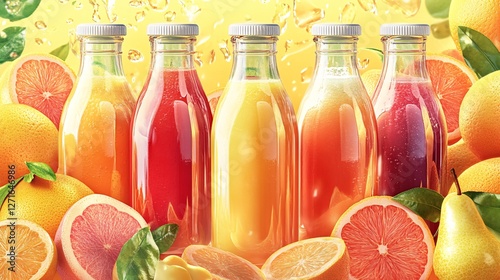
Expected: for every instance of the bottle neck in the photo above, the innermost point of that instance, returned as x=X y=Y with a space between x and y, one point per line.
x=254 y=58
x=336 y=56
x=101 y=54
x=405 y=56
x=172 y=52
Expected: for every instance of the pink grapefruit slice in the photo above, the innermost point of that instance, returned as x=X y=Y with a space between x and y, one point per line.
x=385 y=240
x=43 y=82
x=91 y=235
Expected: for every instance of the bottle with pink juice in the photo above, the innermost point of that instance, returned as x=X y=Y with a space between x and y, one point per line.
x=411 y=125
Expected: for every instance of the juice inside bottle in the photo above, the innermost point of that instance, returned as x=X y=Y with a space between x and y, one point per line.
x=337 y=133
x=411 y=125
x=171 y=140
x=94 y=134
x=254 y=183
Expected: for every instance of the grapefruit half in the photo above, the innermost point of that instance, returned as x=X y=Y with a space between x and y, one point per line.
x=91 y=235
x=385 y=240
x=43 y=82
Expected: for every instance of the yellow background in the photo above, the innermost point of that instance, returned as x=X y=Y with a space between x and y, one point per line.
x=53 y=24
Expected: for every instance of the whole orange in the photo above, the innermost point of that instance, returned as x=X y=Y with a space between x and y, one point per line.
x=479 y=117
x=26 y=135
x=45 y=202
x=483 y=16
x=459 y=158
x=481 y=177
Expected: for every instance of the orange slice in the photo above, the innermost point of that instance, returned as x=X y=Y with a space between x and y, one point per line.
x=315 y=258
x=43 y=82
x=35 y=253
x=451 y=79
x=221 y=264
x=385 y=240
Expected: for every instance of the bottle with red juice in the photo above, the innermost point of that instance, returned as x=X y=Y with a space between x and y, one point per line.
x=171 y=139
x=412 y=138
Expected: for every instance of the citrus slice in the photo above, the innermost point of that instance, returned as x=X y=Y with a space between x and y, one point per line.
x=451 y=79
x=43 y=82
x=314 y=258
x=221 y=264
x=385 y=240
x=34 y=252
x=91 y=235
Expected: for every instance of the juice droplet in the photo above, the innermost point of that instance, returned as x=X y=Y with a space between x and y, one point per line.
x=225 y=51
x=95 y=16
x=69 y=21
x=158 y=5
x=170 y=16
x=190 y=8
x=110 y=5
x=369 y=6
x=281 y=15
x=78 y=5
x=212 y=57
x=264 y=1
x=441 y=30
x=3 y=35
x=139 y=16
x=40 y=25
x=363 y=63
x=305 y=75
x=39 y=41
x=248 y=18
x=74 y=43
x=131 y=26
x=198 y=58
x=408 y=8
x=13 y=55
x=63 y=1
x=135 y=56
x=306 y=13
x=348 y=13
x=288 y=44
x=136 y=3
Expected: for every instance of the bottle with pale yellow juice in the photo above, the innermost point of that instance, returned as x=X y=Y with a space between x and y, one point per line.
x=94 y=136
x=254 y=152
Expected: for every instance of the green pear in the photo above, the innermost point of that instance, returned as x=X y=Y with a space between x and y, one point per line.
x=465 y=248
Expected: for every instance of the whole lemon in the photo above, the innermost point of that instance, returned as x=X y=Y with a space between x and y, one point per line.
x=481 y=177
x=479 y=117
x=27 y=135
x=483 y=16
x=460 y=158
x=44 y=202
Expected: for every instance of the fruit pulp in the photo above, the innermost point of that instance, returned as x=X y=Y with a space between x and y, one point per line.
x=94 y=135
x=254 y=193
x=338 y=156
x=411 y=137
x=171 y=156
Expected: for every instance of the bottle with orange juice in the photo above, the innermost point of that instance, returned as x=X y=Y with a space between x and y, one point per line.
x=94 y=134
x=337 y=133
x=254 y=152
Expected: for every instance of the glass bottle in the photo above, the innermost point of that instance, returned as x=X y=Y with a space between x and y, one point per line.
x=411 y=125
x=171 y=139
x=254 y=152
x=337 y=133
x=94 y=135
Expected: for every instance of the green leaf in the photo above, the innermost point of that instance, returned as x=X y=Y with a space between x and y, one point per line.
x=164 y=236
x=379 y=52
x=61 y=52
x=12 y=43
x=29 y=177
x=138 y=257
x=438 y=8
x=6 y=189
x=424 y=202
x=41 y=170
x=479 y=52
x=488 y=206
x=17 y=10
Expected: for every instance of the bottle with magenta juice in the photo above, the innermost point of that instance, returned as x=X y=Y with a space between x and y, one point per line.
x=171 y=139
x=411 y=126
